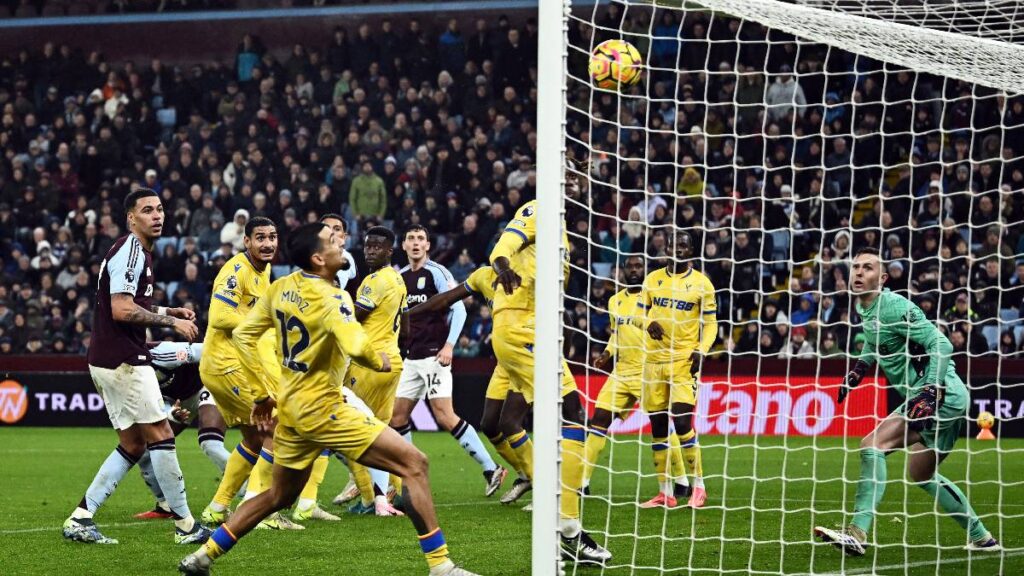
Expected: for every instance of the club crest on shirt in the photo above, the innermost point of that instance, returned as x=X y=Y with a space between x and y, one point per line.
x=232 y=283
x=421 y=283
x=528 y=211
x=366 y=290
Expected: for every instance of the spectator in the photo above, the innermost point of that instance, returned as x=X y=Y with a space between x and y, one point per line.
x=233 y=232
x=798 y=346
x=367 y=196
x=785 y=96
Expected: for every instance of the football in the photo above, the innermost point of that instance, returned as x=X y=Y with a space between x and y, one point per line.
x=615 y=63
x=986 y=420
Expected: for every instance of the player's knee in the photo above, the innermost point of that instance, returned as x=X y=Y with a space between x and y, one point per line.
x=572 y=409
x=448 y=420
x=602 y=418
x=134 y=446
x=869 y=442
x=920 y=475
x=489 y=425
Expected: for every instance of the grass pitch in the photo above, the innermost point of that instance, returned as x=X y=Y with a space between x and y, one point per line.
x=759 y=521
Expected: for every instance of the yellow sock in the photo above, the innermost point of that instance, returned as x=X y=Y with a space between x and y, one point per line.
x=661 y=453
x=501 y=444
x=676 y=456
x=434 y=547
x=262 y=473
x=596 y=441
x=220 y=542
x=523 y=446
x=361 y=474
x=691 y=454
x=573 y=448
x=316 y=478
x=240 y=464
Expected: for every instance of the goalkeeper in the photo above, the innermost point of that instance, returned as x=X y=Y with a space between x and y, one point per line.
x=928 y=422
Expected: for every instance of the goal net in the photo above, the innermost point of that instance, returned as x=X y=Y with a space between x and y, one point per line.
x=783 y=137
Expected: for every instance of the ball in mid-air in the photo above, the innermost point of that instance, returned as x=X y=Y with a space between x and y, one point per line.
x=615 y=63
x=986 y=420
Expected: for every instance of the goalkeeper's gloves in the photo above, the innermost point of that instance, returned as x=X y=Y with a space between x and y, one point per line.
x=922 y=407
x=852 y=379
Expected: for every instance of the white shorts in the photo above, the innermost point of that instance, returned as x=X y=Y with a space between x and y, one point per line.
x=192 y=404
x=130 y=393
x=425 y=378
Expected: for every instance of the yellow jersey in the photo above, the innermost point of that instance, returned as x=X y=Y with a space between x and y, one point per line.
x=317 y=335
x=680 y=303
x=383 y=295
x=626 y=342
x=481 y=284
x=236 y=290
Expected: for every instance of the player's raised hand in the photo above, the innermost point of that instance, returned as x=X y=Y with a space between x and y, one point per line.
x=603 y=361
x=655 y=330
x=263 y=415
x=178 y=413
x=183 y=313
x=186 y=328
x=444 y=355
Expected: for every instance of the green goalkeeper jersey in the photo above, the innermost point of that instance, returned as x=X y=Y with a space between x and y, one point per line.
x=891 y=324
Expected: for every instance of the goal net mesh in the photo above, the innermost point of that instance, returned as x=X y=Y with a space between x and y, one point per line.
x=784 y=137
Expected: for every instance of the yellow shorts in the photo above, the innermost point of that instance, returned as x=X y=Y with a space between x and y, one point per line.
x=232 y=394
x=346 y=430
x=497 y=387
x=513 y=345
x=668 y=383
x=377 y=389
x=620 y=392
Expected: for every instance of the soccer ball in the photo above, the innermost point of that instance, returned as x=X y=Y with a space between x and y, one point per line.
x=986 y=420
x=615 y=63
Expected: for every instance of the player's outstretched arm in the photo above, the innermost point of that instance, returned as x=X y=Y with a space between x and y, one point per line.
x=245 y=337
x=441 y=301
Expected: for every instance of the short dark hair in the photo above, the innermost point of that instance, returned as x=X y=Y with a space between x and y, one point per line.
x=870 y=250
x=135 y=195
x=303 y=243
x=256 y=222
x=383 y=232
x=338 y=217
x=417 y=228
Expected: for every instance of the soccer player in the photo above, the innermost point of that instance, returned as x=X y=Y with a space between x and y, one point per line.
x=682 y=325
x=119 y=363
x=623 y=387
x=515 y=265
x=379 y=305
x=313 y=322
x=498 y=399
x=427 y=349
x=348 y=270
x=238 y=287
x=928 y=422
x=185 y=400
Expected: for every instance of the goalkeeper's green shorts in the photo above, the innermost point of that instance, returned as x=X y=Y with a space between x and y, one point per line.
x=943 y=432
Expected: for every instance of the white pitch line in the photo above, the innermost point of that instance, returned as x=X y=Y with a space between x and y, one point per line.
x=55 y=528
x=979 y=556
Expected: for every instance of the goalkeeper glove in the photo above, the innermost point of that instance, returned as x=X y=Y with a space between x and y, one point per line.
x=922 y=407
x=852 y=379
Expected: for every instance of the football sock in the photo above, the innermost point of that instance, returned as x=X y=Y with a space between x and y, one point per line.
x=361 y=474
x=239 y=466
x=172 y=483
x=149 y=476
x=307 y=499
x=211 y=442
x=573 y=447
x=523 y=446
x=676 y=460
x=596 y=440
x=434 y=547
x=661 y=453
x=954 y=503
x=467 y=437
x=220 y=542
x=870 y=487
x=692 y=457
x=113 y=469
x=405 y=432
x=501 y=445
x=261 y=475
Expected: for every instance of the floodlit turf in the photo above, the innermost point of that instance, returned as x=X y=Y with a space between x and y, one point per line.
x=44 y=472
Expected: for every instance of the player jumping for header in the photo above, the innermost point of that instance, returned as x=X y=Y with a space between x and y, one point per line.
x=928 y=423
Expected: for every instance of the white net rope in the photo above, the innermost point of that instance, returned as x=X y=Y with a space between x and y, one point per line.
x=782 y=154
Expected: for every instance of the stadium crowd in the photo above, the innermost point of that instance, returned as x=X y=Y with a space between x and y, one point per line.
x=782 y=175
